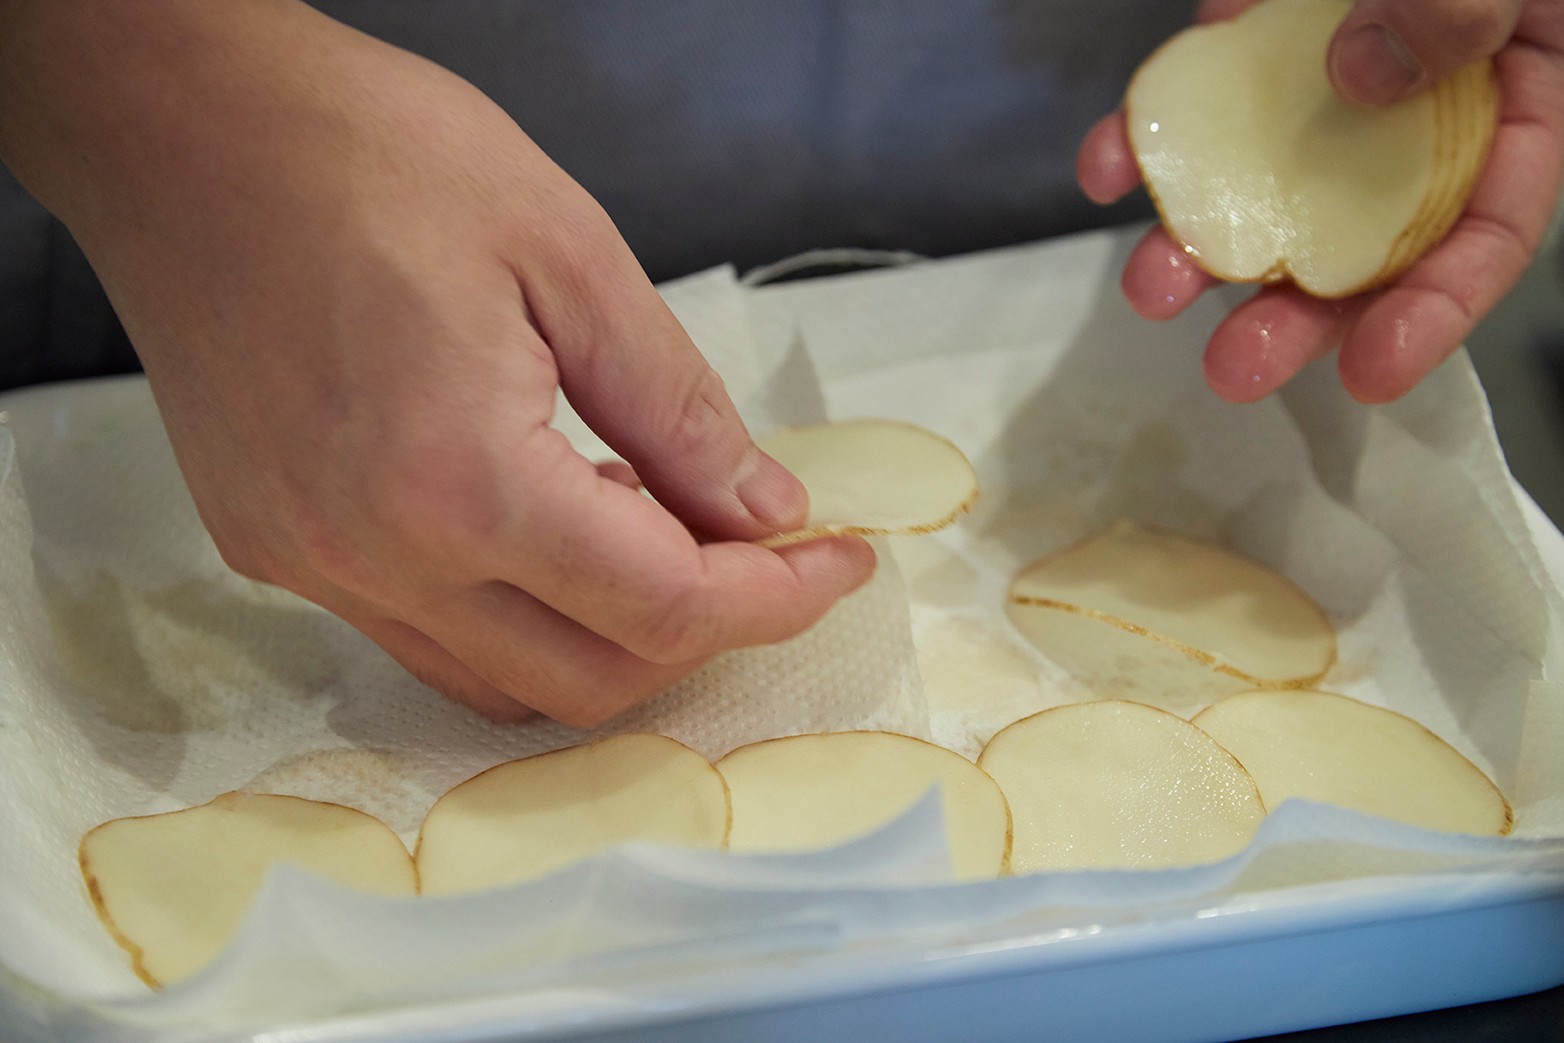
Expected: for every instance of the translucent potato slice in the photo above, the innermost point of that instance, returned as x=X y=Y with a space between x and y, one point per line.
x=173 y=888
x=1171 y=620
x=526 y=818
x=806 y=792
x=1264 y=174
x=873 y=477
x=1334 y=749
x=1115 y=785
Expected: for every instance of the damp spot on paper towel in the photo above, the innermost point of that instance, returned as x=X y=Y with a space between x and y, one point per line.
x=373 y=780
x=183 y=658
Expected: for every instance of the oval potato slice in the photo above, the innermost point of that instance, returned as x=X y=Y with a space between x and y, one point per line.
x=1139 y=613
x=1337 y=750
x=173 y=888
x=1264 y=174
x=805 y=792
x=524 y=819
x=872 y=478
x=1119 y=785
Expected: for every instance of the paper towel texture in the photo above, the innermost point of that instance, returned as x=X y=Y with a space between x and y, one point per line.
x=137 y=674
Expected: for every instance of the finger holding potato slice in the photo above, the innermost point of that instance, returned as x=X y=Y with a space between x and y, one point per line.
x=805 y=792
x=873 y=478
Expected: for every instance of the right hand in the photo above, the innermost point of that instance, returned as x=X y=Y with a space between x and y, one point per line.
x=356 y=287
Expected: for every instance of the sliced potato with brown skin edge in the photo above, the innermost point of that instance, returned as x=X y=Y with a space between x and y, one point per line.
x=173 y=888
x=1119 y=785
x=1170 y=619
x=526 y=818
x=1337 y=750
x=873 y=478
x=805 y=792
x=1264 y=174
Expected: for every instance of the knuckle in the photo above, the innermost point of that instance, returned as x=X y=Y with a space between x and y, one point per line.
x=679 y=628
x=703 y=412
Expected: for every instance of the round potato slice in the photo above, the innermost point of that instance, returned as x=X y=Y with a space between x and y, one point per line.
x=526 y=818
x=873 y=477
x=1264 y=174
x=1162 y=618
x=1113 y=784
x=173 y=888
x=1337 y=750
x=806 y=792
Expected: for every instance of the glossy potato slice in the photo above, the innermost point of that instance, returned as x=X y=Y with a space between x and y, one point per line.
x=805 y=792
x=1264 y=174
x=1119 y=785
x=873 y=477
x=1337 y=750
x=173 y=888
x=524 y=819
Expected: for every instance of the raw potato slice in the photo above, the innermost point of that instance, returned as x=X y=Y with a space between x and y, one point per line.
x=1264 y=174
x=1334 y=749
x=873 y=477
x=1114 y=785
x=1137 y=612
x=526 y=818
x=806 y=792
x=173 y=888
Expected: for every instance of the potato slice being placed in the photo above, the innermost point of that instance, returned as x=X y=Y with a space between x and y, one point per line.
x=806 y=792
x=872 y=478
x=1264 y=174
x=1156 y=617
x=173 y=888
x=1115 y=785
x=1334 y=749
x=526 y=818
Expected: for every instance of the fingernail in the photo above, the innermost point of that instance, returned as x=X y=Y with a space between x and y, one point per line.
x=1372 y=65
x=771 y=493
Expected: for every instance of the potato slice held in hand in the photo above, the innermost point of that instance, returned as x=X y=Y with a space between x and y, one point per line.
x=526 y=818
x=1119 y=785
x=872 y=478
x=805 y=792
x=1264 y=174
x=173 y=888
x=1162 y=618
x=1336 y=750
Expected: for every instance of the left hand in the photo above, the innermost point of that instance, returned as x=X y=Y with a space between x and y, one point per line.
x=1392 y=337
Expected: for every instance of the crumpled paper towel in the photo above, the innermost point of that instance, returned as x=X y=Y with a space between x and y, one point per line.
x=137 y=675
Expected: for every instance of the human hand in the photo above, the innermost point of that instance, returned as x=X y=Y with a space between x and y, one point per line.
x=356 y=287
x=1389 y=339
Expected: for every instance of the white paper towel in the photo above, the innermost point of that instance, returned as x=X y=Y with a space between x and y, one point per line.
x=137 y=674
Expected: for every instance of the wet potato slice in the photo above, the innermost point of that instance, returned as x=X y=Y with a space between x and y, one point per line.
x=1330 y=748
x=1119 y=785
x=529 y=817
x=173 y=888
x=1264 y=174
x=805 y=792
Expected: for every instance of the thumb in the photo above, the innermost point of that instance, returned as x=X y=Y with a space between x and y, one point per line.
x=633 y=374
x=1388 y=49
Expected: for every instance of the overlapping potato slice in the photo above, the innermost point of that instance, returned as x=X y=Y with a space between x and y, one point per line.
x=173 y=888
x=1115 y=784
x=1337 y=750
x=1140 y=613
x=810 y=791
x=523 y=819
x=873 y=477
x=1264 y=174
